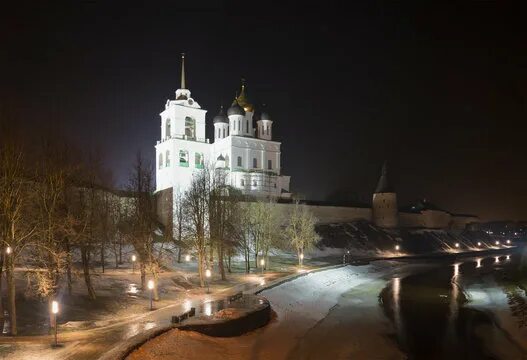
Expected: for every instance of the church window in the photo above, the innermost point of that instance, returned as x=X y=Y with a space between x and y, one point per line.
x=160 y=160
x=242 y=182
x=167 y=158
x=218 y=133
x=255 y=163
x=198 y=160
x=275 y=185
x=183 y=158
x=190 y=128
x=167 y=129
x=247 y=127
x=269 y=164
x=254 y=182
x=223 y=132
x=239 y=163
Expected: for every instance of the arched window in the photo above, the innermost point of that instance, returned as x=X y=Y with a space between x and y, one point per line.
x=242 y=182
x=254 y=182
x=255 y=163
x=239 y=161
x=219 y=133
x=269 y=164
x=190 y=128
x=160 y=160
x=223 y=132
x=183 y=158
x=198 y=160
x=168 y=134
x=247 y=127
x=167 y=158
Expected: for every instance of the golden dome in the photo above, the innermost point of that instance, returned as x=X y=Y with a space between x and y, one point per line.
x=243 y=101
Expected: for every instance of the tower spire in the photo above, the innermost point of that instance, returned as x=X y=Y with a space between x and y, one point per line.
x=183 y=71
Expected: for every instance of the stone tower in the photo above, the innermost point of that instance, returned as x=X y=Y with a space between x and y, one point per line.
x=384 y=205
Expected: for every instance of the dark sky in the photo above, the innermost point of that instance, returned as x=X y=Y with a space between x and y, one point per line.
x=437 y=90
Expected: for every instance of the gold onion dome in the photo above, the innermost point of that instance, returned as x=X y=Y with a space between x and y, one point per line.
x=243 y=100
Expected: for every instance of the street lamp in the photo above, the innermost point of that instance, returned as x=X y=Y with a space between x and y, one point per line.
x=508 y=242
x=151 y=288
x=479 y=243
x=397 y=247
x=55 y=311
x=134 y=258
x=262 y=264
x=207 y=275
x=457 y=245
x=497 y=243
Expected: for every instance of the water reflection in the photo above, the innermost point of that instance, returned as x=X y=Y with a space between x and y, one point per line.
x=497 y=259
x=478 y=263
x=396 y=289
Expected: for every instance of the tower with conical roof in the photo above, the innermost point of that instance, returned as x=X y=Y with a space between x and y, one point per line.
x=384 y=204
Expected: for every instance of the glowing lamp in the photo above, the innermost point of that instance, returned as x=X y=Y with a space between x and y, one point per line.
x=457 y=245
x=208 y=273
x=508 y=241
x=262 y=262
x=134 y=258
x=479 y=243
x=150 y=284
x=497 y=242
x=54 y=307
x=187 y=258
x=397 y=248
x=8 y=250
x=301 y=256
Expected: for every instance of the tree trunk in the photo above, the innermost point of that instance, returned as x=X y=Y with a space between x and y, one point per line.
x=156 y=282
x=120 y=250
x=229 y=263
x=179 y=255
x=201 y=260
x=11 y=294
x=2 y=319
x=143 y=276
x=68 y=267
x=86 y=270
x=102 y=253
x=220 y=260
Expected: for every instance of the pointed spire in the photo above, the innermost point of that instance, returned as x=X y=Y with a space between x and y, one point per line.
x=183 y=71
x=384 y=185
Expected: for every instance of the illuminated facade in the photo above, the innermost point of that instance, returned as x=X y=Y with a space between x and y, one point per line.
x=247 y=154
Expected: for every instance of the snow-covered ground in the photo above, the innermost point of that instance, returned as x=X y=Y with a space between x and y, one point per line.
x=303 y=310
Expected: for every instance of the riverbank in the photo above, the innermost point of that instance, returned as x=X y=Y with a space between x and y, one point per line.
x=302 y=307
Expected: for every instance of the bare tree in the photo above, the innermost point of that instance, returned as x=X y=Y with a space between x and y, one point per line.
x=300 y=230
x=16 y=220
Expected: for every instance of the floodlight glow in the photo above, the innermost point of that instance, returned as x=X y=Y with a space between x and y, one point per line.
x=150 y=284
x=54 y=307
x=301 y=256
x=208 y=273
x=8 y=250
x=397 y=248
x=187 y=257
x=457 y=245
x=497 y=242
x=479 y=243
x=508 y=241
x=262 y=262
x=134 y=258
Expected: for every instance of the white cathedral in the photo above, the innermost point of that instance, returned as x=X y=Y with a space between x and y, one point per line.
x=247 y=154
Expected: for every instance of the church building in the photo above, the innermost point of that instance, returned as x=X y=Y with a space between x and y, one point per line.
x=243 y=146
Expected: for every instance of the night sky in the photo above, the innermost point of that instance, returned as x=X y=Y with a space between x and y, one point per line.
x=437 y=91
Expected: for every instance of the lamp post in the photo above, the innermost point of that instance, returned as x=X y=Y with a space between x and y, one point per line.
x=134 y=258
x=55 y=311
x=207 y=276
x=262 y=264
x=151 y=288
